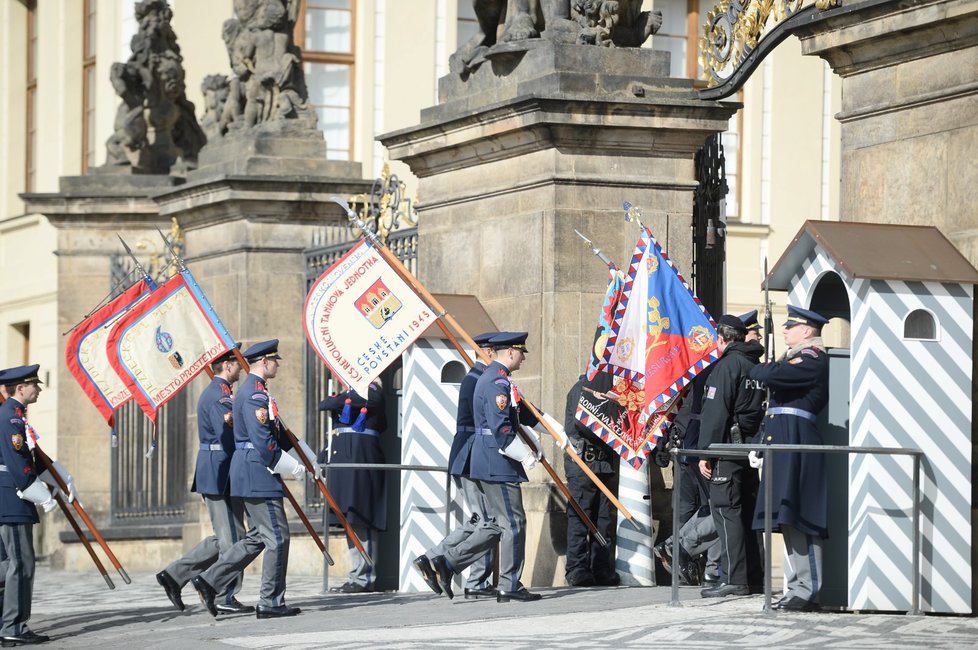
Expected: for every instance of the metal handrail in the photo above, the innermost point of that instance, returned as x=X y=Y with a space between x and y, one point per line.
x=385 y=467
x=742 y=450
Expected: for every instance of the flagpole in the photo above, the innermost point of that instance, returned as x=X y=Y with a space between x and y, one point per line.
x=441 y=314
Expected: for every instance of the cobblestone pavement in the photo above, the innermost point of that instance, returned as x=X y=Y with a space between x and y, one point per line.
x=79 y=611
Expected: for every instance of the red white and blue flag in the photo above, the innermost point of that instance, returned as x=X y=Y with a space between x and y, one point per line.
x=653 y=338
x=165 y=341
x=88 y=358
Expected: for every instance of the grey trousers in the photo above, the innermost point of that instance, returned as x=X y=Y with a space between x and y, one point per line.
x=506 y=524
x=362 y=573
x=269 y=532
x=17 y=562
x=227 y=519
x=480 y=571
x=803 y=559
x=699 y=535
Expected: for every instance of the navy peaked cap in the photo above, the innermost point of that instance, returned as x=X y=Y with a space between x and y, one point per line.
x=482 y=340
x=732 y=322
x=504 y=340
x=227 y=356
x=799 y=316
x=21 y=375
x=262 y=350
x=750 y=320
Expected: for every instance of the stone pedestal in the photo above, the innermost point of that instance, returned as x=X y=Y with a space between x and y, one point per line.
x=533 y=146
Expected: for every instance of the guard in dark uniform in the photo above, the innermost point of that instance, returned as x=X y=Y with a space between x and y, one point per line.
x=799 y=390
x=360 y=493
x=480 y=572
x=21 y=489
x=498 y=461
x=588 y=563
x=258 y=463
x=212 y=482
x=732 y=405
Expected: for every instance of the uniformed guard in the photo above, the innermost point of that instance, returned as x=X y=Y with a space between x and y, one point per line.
x=477 y=585
x=588 y=563
x=753 y=327
x=498 y=461
x=21 y=489
x=798 y=385
x=258 y=463
x=361 y=494
x=212 y=482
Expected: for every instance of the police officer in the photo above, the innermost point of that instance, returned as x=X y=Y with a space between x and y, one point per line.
x=798 y=385
x=498 y=461
x=258 y=463
x=212 y=482
x=360 y=493
x=477 y=584
x=20 y=489
x=732 y=406
x=588 y=564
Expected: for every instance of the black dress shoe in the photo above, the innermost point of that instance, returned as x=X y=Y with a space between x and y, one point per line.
x=276 y=612
x=610 y=580
x=26 y=638
x=484 y=592
x=663 y=552
x=796 y=604
x=171 y=588
x=723 y=590
x=580 y=579
x=522 y=595
x=206 y=593
x=689 y=569
x=445 y=575
x=234 y=607
x=423 y=566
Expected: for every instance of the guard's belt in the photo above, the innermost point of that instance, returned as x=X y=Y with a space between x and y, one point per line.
x=366 y=432
x=484 y=432
x=243 y=445
x=787 y=410
x=464 y=429
x=206 y=447
x=3 y=468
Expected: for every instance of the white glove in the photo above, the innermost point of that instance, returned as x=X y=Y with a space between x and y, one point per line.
x=49 y=478
x=518 y=451
x=310 y=455
x=37 y=492
x=556 y=427
x=535 y=439
x=755 y=461
x=288 y=465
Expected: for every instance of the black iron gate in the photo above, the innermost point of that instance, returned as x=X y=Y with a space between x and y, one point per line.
x=709 y=230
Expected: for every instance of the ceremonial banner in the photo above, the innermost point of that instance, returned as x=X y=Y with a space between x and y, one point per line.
x=165 y=341
x=88 y=359
x=658 y=339
x=360 y=316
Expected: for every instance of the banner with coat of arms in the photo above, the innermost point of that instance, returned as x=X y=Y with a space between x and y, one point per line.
x=359 y=316
x=165 y=341
x=653 y=338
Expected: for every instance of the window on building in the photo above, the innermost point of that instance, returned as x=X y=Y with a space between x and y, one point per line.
x=31 y=148
x=467 y=25
x=453 y=372
x=325 y=32
x=88 y=87
x=921 y=325
x=19 y=344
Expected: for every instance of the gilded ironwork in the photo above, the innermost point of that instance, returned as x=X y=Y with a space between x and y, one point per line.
x=734 y=29
x=386 y=208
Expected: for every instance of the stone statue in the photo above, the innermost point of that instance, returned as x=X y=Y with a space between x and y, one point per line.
x=268 y=83
x=216 y=89
x=155 y=126
x=619 y=23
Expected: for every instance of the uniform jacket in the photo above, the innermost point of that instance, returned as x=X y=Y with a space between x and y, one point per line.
x=583 y=439
x=258 y=444
x=362 y=493
x=496 y=414
x=801 y=380
x=19 y=461
x=731 y=397
x=458 y=455
x=214 y=427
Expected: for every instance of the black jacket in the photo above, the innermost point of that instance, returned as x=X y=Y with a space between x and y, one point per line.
x=731 y=396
